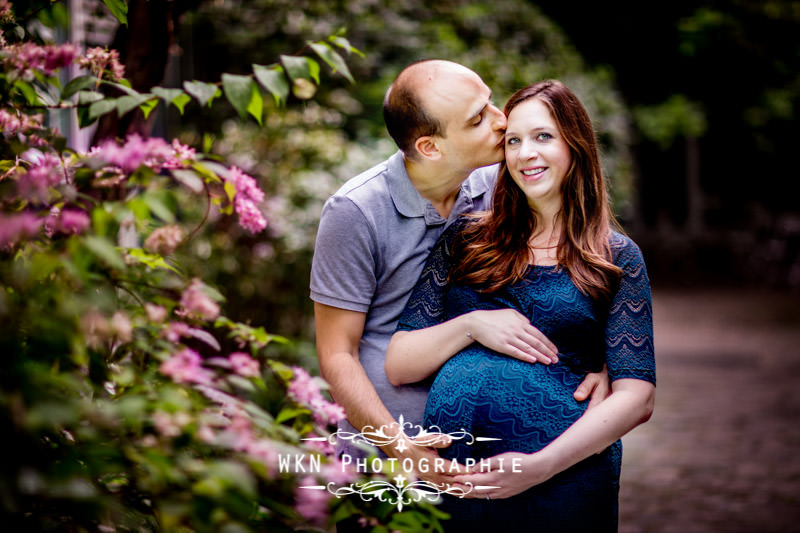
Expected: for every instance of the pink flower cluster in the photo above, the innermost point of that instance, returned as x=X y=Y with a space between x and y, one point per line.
x=186 y=366
x=305 y=390
x=248 y=195
x=100 y=61
x=34 y=184
x=17 y=227
x=312 y=504
x=28 y=57
x=154 y=152
x=244 y=365
x=13 y=123
x=164 y=240
x=195 y=302
x=67 y=221
x=5 y=12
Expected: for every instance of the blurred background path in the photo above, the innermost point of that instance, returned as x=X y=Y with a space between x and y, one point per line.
x=721 y=451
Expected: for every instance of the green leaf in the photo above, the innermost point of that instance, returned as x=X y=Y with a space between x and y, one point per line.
x=203 y=92
x=239 y=91
x=256 y=105
x=148 y=106
x=118 y=8
x=27 y=91
x=101 y=107
x=176 y=97
x=333 y=59
x=153 y=261
x=122 y=86
x=128 y=102
x=273 y=79
x=301 y=67
x=343 y=43
x=77 y=84
x=87 y=97
x=105 y=251
x=181 y=101
x=288 y=413
x=159 y=208
x=189 y=178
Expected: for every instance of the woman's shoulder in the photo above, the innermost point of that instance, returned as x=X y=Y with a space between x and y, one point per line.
x=623 y=249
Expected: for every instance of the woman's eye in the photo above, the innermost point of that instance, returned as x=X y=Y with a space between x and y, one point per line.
x=512 y=140
x=544 y=137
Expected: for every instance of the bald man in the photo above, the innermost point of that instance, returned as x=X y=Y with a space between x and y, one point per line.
x=376 y=232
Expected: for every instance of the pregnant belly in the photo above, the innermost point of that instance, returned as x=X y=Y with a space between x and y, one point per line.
x=521 y=406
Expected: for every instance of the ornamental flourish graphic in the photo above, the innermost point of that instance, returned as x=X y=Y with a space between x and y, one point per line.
x=402 y=492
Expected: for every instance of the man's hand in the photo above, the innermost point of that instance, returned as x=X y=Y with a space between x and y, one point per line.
x=424 y=458
x=595 y=386
x=508 y=331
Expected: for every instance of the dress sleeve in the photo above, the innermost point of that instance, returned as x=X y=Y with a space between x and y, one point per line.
x=425 y=306
x=343 y=266
x=629 y=330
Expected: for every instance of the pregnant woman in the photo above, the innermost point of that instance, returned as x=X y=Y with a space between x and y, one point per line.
x=546 y=250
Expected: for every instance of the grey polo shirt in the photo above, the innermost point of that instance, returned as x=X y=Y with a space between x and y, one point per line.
x=374 y=236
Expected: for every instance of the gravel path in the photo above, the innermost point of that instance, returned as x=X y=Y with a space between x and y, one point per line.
x=722 y=450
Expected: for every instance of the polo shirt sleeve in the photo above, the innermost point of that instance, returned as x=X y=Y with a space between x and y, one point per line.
x=343 y=267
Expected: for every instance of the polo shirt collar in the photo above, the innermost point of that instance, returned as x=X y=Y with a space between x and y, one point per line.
x=410 y=203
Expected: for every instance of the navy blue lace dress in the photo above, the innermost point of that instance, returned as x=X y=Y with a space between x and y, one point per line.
x=526 y=406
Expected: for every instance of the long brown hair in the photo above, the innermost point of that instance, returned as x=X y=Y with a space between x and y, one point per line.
x=493 y=250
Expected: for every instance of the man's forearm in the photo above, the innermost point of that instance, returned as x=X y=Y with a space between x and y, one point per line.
x=352 y=389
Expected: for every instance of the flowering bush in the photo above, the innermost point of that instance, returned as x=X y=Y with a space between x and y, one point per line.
x=128 y=400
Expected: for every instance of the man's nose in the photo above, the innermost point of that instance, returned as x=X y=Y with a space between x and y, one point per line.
x=499 y=119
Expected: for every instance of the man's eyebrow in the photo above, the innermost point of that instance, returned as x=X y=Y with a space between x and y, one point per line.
x=480 y=111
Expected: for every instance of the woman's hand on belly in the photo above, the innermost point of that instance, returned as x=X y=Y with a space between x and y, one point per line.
x=508 y=474
x=509 y=332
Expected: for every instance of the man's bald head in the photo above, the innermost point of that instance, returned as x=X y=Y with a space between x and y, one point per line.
x=405 y=112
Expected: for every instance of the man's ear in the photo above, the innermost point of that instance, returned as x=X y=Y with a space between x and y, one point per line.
x=428 y=147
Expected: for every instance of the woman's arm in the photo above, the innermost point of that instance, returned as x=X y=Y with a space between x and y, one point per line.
x=630 y=404
x=414 y=355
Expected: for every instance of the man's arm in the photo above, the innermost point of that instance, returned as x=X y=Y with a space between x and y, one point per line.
x=338 y=335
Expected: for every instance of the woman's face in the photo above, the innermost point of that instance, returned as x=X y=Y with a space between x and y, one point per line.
x=537 y=156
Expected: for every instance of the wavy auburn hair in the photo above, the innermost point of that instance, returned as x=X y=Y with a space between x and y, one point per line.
x=493 y=249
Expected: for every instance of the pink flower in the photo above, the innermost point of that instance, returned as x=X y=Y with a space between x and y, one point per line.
x=312 y=504
x=18 y=227
x=103 y=61
x=165 y=424
x=164 y=240
x=244 y=365
x=5 y=13
x=14 y=123
x=305 y=390
x=73 y=221
x=59 y=56
x=134 y=153
x=244 y=203
x=175 y=330
x=185 y=367
x=121 y=326
x=337 y=472
x=156 y=313
x=182 y=155
x=26 y=58
x=264 y=450
x=196 y=303
x=34 y=184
